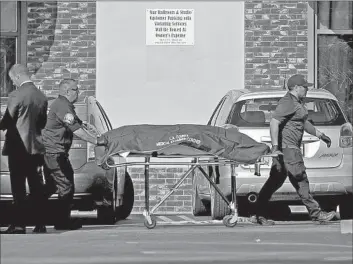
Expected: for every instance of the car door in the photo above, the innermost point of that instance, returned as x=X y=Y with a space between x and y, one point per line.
x=97 y=118
x=5 y=187
x=78 y=151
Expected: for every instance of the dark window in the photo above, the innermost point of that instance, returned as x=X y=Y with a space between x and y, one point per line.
x=12 y=42
x=8 y=58
x=335 y=15
x=258 y=112
x=335 y=50
x=8 y=16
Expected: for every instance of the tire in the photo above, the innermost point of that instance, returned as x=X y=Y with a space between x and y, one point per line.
x=123 y=211
x=346 y=211
x=219 y=208
x=199 y=207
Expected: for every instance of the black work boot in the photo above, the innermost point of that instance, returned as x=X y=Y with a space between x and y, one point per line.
x=324 y=217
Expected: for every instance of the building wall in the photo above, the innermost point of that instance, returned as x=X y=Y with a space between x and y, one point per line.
x=61 y=43
x=167 y=84
x=276 y=42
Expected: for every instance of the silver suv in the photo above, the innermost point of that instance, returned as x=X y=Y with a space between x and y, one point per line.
x=329 y=169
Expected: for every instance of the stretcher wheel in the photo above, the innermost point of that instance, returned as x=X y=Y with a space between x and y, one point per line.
x=227 y=221
x=150 y=225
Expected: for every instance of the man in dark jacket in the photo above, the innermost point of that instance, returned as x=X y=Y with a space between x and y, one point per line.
x=25 y=117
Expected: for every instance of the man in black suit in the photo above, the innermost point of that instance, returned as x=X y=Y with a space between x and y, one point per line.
x=25 y=117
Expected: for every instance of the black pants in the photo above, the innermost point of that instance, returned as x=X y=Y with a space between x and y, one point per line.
x=59 y=177
x=24 y=166
x=291 y=164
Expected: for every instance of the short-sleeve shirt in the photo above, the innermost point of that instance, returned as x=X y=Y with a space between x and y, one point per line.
x=61 y=123
x=292 y=115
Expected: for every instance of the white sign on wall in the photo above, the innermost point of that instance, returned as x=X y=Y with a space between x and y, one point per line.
x=169 y=26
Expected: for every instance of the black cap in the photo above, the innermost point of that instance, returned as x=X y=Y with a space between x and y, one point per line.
x=299 y=80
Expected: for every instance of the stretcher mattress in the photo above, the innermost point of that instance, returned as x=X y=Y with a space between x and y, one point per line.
x=182 y=140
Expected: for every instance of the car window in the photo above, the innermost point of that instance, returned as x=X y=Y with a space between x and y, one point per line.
x=324 y=112
x=258 y=112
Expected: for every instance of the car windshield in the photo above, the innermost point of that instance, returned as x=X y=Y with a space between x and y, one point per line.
x=258 y=112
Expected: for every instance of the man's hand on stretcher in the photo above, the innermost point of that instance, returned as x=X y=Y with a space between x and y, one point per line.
x=90 y=134
x=275 y=151
x=101 y=141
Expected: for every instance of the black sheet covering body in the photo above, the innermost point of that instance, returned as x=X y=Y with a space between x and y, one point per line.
x=182 y=140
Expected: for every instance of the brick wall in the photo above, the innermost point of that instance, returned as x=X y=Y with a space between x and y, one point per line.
x=276 y=42
x=161 y=180
x=61 y=43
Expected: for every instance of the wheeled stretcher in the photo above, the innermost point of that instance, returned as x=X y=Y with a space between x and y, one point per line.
x=195 y=163
x=201 y=145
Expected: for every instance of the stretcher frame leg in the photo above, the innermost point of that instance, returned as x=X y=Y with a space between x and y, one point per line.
x=232 y=219
x=149 y=221
x=214 y=185
x=228 y=220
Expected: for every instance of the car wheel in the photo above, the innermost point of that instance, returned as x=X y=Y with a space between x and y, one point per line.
x=123 y=211
x=199 y=207
x=219 y=207
x=346 y=211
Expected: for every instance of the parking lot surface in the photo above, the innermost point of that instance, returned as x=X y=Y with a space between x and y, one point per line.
x=182 y=241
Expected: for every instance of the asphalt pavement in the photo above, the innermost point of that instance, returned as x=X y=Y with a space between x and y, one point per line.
x=182 y=240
